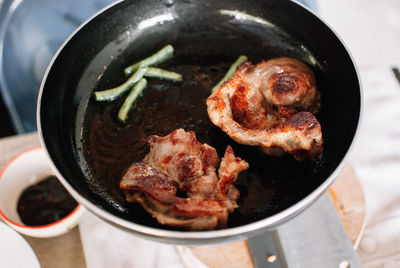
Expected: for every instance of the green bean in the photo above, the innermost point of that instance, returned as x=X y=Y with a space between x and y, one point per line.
x=163 y=74
x=130 y=99
x=230 y=72
x=160 y=56
x=114 y=93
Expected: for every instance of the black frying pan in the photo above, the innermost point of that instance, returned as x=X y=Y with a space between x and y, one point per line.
x=90 y=149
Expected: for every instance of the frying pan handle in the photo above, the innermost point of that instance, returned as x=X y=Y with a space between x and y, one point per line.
x=315 y=238
x=266 y=250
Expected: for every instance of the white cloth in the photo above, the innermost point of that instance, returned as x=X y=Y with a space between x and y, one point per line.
x=106 y=246
x=376 y=160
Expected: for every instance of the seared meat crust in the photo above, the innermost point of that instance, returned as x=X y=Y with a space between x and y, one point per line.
x=179 y=161
x=270 y=105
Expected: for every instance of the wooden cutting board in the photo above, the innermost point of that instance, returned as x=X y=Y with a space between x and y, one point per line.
x=348 y=199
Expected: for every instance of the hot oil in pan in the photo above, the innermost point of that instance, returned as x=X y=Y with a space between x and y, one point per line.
x=267 y=187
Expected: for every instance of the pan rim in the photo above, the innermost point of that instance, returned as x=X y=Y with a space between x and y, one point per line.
x=177 y=237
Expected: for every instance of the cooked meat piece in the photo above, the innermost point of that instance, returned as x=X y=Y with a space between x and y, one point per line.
x=228 y=172
x=270 y=105
x=180 y=155
x=249 y=107
x=179 y=161
x=190 y=214
x=285 y=82
x=145 y=178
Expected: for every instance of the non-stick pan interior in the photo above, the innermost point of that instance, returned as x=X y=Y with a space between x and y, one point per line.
x=91 y=149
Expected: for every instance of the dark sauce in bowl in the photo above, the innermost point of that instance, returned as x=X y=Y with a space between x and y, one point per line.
x=45 y=202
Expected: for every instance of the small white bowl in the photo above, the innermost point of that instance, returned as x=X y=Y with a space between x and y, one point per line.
x=26 y=169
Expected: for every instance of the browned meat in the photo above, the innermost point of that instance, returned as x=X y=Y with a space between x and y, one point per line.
x=179 y=161
x=270 y=105
x=228 y=172
x=250 y=108
x=181 y=156
x=286 y=82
